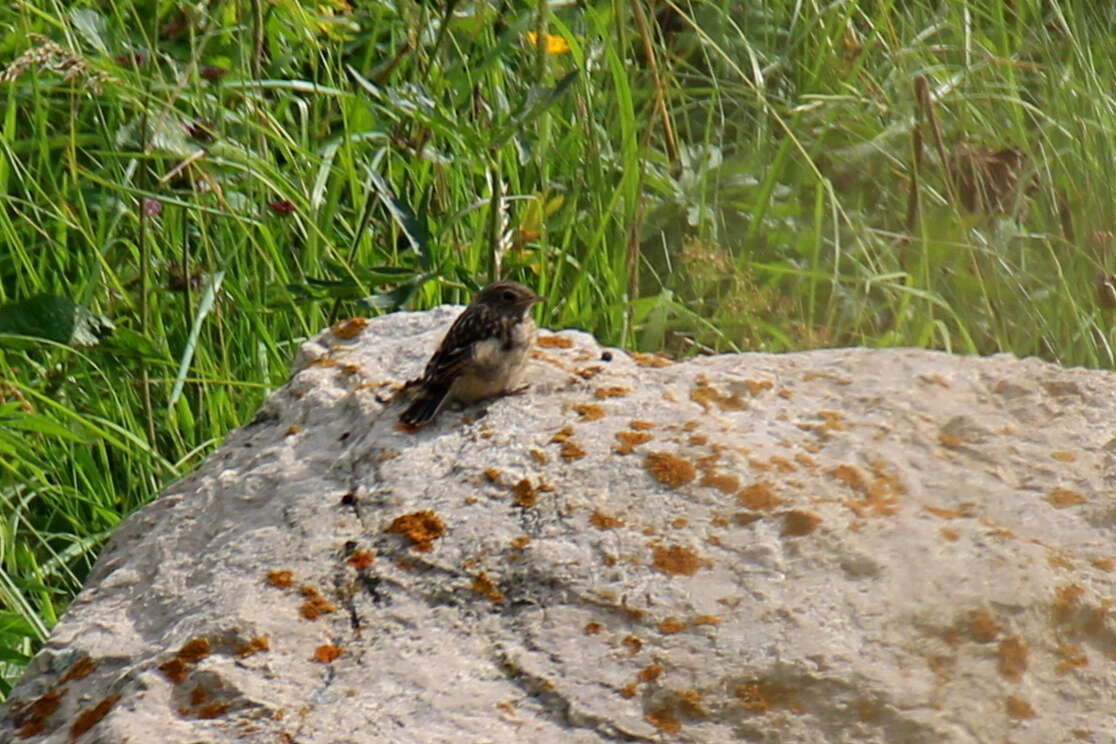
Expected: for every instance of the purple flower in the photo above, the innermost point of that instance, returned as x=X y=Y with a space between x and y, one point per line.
x=152 y=207
x=283 y=206
x=211 y=72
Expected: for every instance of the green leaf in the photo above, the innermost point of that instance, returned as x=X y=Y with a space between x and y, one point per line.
x=412 y=228
x=54 y=318
x=538 y=100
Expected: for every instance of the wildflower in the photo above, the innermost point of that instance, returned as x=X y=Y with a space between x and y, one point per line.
x=212 y=72
x=554 y=44
x=152 y=207
x=283 y=206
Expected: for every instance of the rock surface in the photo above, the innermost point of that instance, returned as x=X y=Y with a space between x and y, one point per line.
x=835 y=546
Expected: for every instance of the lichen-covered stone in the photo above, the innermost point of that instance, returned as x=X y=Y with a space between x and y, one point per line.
x=835 y=546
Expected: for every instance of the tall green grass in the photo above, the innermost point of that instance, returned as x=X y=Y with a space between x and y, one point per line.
x=222 y=181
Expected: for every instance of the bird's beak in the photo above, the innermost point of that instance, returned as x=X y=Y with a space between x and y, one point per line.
x=537 y=300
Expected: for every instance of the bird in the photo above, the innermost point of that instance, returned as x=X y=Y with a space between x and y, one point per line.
x=484 y=353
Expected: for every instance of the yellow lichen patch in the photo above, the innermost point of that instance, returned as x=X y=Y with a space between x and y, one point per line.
x=615 y=391
x=671 y=625
x=525 y=494
x=629 y=440
x=554 y=342
x=670 y=469
x=755 y=387
x=485 y=587
x=805 y=460
x=707 y=397
x=589 y=411
x=422 y=528
x=782 y=464
x=1012 y=658
x=1072 y=657
x=349 y=328
x=759 y=496
x=1066 y=601
x=640 y=425
x=950 y=440
x=649 y=360
x=571 y=451
x=327 y=653
x=1063 y=456
x=759 y=697
x=675 y=560
x=1017 y=707
x=799 y=523
x=562 y=435
x=722 y=482
x=603 y=521
x=982 y=626
x=1061 y=498
x=832 y=421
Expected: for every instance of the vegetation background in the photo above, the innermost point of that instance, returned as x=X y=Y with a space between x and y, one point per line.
x=189 y=190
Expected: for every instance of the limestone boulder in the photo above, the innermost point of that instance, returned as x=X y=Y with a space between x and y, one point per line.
x=834 y=546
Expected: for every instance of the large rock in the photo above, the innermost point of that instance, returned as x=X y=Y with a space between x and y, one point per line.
x=835 y=546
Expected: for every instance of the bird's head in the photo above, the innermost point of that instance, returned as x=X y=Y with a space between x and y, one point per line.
x=510 y=297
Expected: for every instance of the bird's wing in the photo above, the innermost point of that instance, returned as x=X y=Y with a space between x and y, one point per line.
x=456 y=350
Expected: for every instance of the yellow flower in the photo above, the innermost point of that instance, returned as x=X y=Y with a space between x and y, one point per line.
x=554 y=44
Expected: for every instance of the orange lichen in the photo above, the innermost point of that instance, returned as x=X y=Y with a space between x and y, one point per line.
x=1104 y=564
x=708 y=396
x=982 y=626
x=80 y=669
x=706 y=620
x=281 y=579
x=649 y=360
x=640 y=425
x=361 y=560
x=349 y=328
x=593 y=628
x=943 y=513
x=174 y=669
x=487 y=588
x=1063 y=456
x=603 y=521
x=948 y=534
x=782 y=464
x=629 y=440
x=422 y=528
x=797 y=523
x=1012 y=658
x=671 y=625
x=759 y=496
x=614 y=391
x=690 y=703
x=554 y=342
x=89 y=718
x=1073 y=657
x=571 y=451
x=1058 y=559
x=629 y=690
x=211 y=711
x=1061 y=498
x=327 y=653
x=670 y=469
x=724 y=483
x=1066 y=599
x=633 y=643
x=255 y=645
x=198 y=695
x=664 y=720
x=492 y=474
x=950 y=440
x=849 y=476
x=32 y=718
x=521 y=542
x=525 y=494
x=538 y=456
x=194 y=651
x=941 y=665
x=755 y=387
x=675 y=560
x=293 y=429
x=1018 y=707
x=315 y=605
x=833 y=420
x=650 y=673
x=589 y=411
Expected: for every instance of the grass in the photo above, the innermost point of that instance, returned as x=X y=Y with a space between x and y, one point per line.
x=222 y=182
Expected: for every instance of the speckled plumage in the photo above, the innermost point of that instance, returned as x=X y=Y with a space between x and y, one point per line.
x=484 y=353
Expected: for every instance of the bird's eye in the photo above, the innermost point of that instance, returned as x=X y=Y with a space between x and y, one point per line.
x=509 y=296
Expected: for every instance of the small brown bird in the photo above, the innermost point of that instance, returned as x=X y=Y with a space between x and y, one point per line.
x=483 y=354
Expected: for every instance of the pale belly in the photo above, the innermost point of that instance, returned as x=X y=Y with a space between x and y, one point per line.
x=494 y=369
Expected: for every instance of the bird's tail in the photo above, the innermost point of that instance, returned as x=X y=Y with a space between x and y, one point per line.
x=423 y=410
